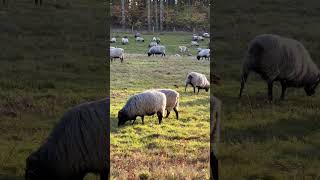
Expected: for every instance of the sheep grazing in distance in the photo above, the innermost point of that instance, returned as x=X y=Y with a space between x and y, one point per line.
x=152 y=44
x=117 y=53
x=172 y=101
x=113 y=40
x=183 y=49
x=156 y=39
x=125 y=40
x=77 y=145
x=197 y=38
x=204 y=53
x=139 y=39
x=207 y=35
x=197 y=80
x=157 y=50
x=137 y=34
x=215 y=114
x=277 y=58
x=194 y=43
x=143 y=104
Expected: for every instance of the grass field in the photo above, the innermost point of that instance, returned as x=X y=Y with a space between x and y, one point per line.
x=52 y=58
x=259 y=140
x=176 y=149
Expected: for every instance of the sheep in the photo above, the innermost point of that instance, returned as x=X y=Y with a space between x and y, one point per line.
x=139 y=39
x=204 y=53
x=157 y=50
x=125 y=40
x=77 y=145
x=113 y=40
x=207 y=35
x=198 y=50
x=194 y=43
x=277 y=58
x=197 y=38
x=183 y=49
x=172 y=101
x=143 y=104
x=177 y=55
x=154 y=39
x=137 y=35
x=117 y=53
x=197 y=80
x=215 y=113
x=152 y=44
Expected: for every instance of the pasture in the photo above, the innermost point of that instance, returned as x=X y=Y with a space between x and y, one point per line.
x=52 y=58
x=176 y=149
x=260 y=140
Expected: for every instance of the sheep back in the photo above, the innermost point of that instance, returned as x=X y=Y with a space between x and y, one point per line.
x=146 y=103
x=273 y=57
x=172 y=98
x=76 y=146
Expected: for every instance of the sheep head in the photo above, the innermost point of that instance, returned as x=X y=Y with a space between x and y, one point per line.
x=310 y=89
x=122 y=117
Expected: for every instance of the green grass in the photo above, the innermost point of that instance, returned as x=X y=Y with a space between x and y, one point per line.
x=52 y=58
x=260 y=140
x=170 y=40
x=176 y=149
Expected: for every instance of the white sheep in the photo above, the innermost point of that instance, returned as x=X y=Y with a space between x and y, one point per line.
x=207 y=35
x=125 y=40
x=172 y=101
x=116 y=53
x=203 y=53
x=139 y=39
x=194 y=43
x=197 y=80
x=157 y=50
x=113 y=40
x=143 y=104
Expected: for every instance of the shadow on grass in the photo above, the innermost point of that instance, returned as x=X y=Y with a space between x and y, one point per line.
x=283 y=129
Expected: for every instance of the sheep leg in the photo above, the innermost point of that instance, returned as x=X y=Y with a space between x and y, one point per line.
x=168 y=112
x=159 y=114
x=198 y=90
x=133 y=121
x=270 y=87
x=243 y=81
x=142 y=118
x=104 y=175
x=176 y=111
x=185 y=89
x=121 y=59
x=194 y=89
x=283 y=90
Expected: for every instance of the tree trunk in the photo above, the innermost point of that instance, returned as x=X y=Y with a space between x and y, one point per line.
x=149 y=17
x=123 y=21
x=156 y=11
x=161 y=15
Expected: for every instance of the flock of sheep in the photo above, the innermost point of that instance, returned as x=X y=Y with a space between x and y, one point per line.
x=157 y=101
x=155 y=48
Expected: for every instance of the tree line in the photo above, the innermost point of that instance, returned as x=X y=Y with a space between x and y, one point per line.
x=160 y=15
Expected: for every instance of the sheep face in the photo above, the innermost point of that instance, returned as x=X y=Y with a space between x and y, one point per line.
x=34 y=170
x=207 y=89
x=149 y=54
x=122 y=117
x=310 y=89
x=198 y=57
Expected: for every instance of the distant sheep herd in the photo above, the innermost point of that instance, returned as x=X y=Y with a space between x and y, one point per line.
x=155 y=48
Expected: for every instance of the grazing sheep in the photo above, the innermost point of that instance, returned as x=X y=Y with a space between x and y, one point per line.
x=172 y=101
x=194 y=43
x=147 y=103
x=139 y=39
x=125 y=40
x=204 y=53
x=152 y=44
x=215 y=111
x=113 y=40
x=157 y=50
x=277 y=58
x=207 y=35
x=117 y=53
x=137 y=35
x=77 y=145
x=154 y=39
x=183 y=49
x=177 y=55
x=197 y=80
